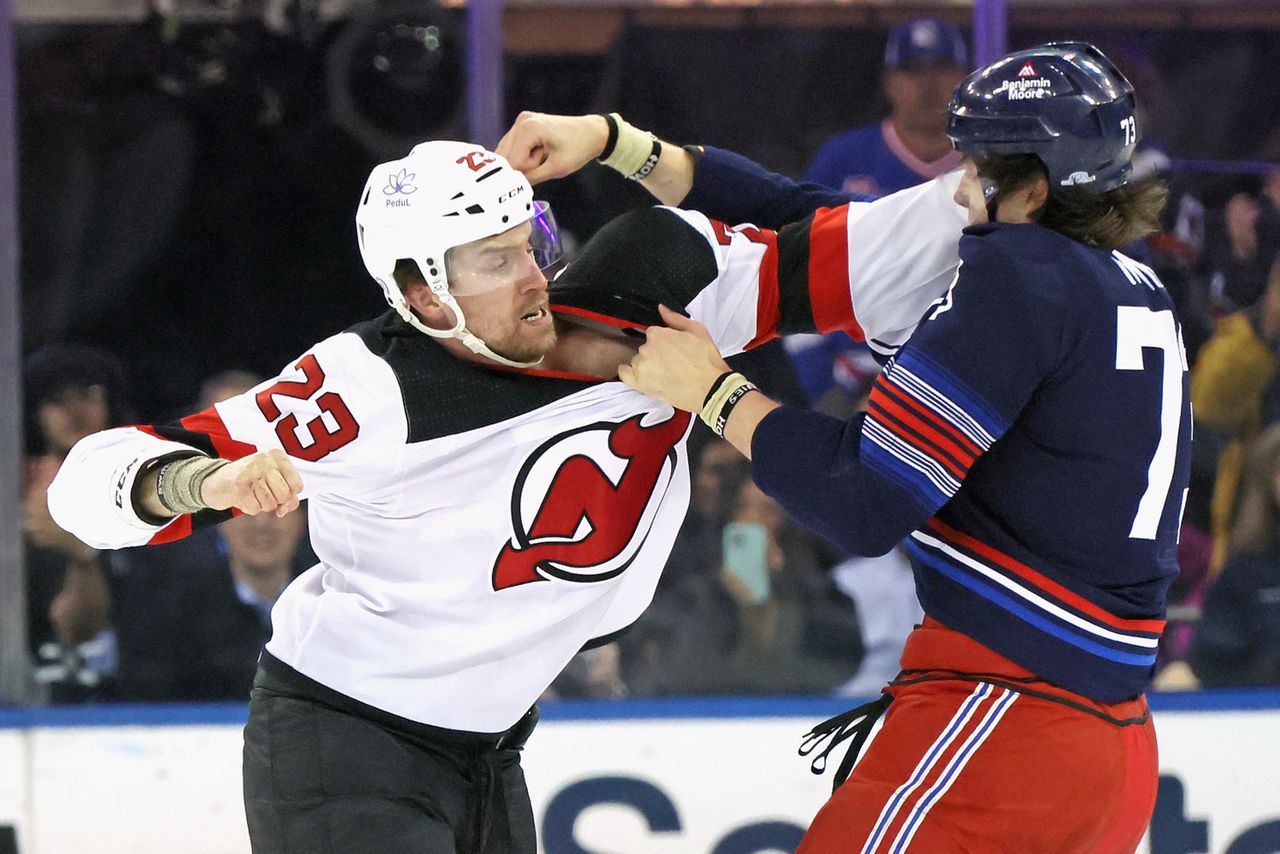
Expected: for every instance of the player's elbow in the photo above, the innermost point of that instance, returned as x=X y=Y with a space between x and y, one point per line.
x=872 y=541
x=866 y=534
x=63 y=500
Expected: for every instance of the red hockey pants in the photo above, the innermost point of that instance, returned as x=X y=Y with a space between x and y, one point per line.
x=978 y=756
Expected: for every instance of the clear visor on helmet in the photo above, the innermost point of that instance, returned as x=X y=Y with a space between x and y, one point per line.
x=505 y=259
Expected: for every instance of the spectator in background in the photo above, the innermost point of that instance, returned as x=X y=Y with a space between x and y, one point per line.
x=1234 y=391
x=884 y=592
x=192 y=616
x=1240 y=251
x=767 y=620
x=836 y=371
x=593 y=674
x=70 y=392
x=1238 y=639
x=697 y=547
x=223 y=386
x=925 y=59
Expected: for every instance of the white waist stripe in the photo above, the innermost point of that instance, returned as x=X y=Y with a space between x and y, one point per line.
x=1036 y=599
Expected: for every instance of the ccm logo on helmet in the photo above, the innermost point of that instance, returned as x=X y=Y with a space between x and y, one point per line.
x=584 y=502
x=511 y=194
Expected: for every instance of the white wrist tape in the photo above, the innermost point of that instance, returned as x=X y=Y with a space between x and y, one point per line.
x=635 y=152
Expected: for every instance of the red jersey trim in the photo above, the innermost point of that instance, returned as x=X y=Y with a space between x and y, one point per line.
x=177 y=529
x=597 y=316
x=210 y=423
x=829 y=292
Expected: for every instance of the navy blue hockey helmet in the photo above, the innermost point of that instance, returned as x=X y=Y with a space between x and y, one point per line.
x=1064 y=102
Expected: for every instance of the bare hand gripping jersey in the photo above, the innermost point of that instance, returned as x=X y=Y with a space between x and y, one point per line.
x=476 y=526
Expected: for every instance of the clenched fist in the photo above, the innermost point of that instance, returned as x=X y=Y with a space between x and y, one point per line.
x=255 y=484
x=544 y=146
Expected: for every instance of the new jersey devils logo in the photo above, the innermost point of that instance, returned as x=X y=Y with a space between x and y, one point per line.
x=592 y=494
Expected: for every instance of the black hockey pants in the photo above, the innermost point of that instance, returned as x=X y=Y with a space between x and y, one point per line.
x=326 y=774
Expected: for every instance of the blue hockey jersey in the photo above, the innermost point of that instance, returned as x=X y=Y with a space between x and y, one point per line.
x=873 y=160
x=1033 y=438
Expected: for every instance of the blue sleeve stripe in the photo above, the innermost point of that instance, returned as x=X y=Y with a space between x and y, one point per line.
x=922 y=490
x=1025 y=614
x=970 y=403
x=937 y=476
x=891 y=468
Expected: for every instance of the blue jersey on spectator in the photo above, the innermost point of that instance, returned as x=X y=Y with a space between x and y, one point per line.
x=873 y=160
x=1035 y=434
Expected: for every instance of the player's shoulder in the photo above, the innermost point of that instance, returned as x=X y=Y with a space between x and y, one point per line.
x=346 y=360
x=441 y=394
x=1032 y=264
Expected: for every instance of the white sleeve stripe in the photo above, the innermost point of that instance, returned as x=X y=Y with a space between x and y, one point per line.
x=922 y=463
x=941 y=404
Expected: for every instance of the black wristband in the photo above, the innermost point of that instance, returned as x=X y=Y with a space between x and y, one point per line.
x=135 y=497
x=650 y=163
x=612 y=140
x=160 y=488
x=715 y=386
x=734 y=398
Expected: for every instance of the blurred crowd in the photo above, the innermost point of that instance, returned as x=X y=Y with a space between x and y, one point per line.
x=750 y=603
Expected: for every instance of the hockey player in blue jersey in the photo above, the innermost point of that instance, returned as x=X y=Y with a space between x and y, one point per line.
x=1032 y=440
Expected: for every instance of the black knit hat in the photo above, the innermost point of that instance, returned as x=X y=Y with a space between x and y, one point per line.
x=53 y=369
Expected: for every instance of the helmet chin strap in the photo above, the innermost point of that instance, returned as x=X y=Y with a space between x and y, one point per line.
x=458 y=332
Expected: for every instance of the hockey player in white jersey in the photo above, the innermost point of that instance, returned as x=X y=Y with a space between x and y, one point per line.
x=485 y=497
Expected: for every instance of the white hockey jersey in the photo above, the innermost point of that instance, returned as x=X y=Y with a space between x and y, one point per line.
x=477 y=526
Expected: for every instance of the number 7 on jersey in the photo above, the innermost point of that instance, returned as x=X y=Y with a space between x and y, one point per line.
x=1138 y=327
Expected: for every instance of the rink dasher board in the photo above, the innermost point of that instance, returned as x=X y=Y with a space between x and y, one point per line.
x=646 y=777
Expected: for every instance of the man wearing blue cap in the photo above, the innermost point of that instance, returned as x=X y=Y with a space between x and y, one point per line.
x=925 y=59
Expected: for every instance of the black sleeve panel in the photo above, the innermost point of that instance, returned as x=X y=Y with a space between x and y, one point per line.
x=643 y=258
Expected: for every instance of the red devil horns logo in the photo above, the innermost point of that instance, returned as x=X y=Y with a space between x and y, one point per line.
x=476 y=160
x=589 y=526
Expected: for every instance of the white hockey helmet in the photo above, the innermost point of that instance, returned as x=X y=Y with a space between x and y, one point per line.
x=445 y=194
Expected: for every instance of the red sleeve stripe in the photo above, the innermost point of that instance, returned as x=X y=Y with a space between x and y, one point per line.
x=209 y=422
x=904 y=398
x=174 y=531
x=887 y=421
x=1025 y=572
x=768 y=313
x=917 y=434
x=920 y=435
x=829 y=292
